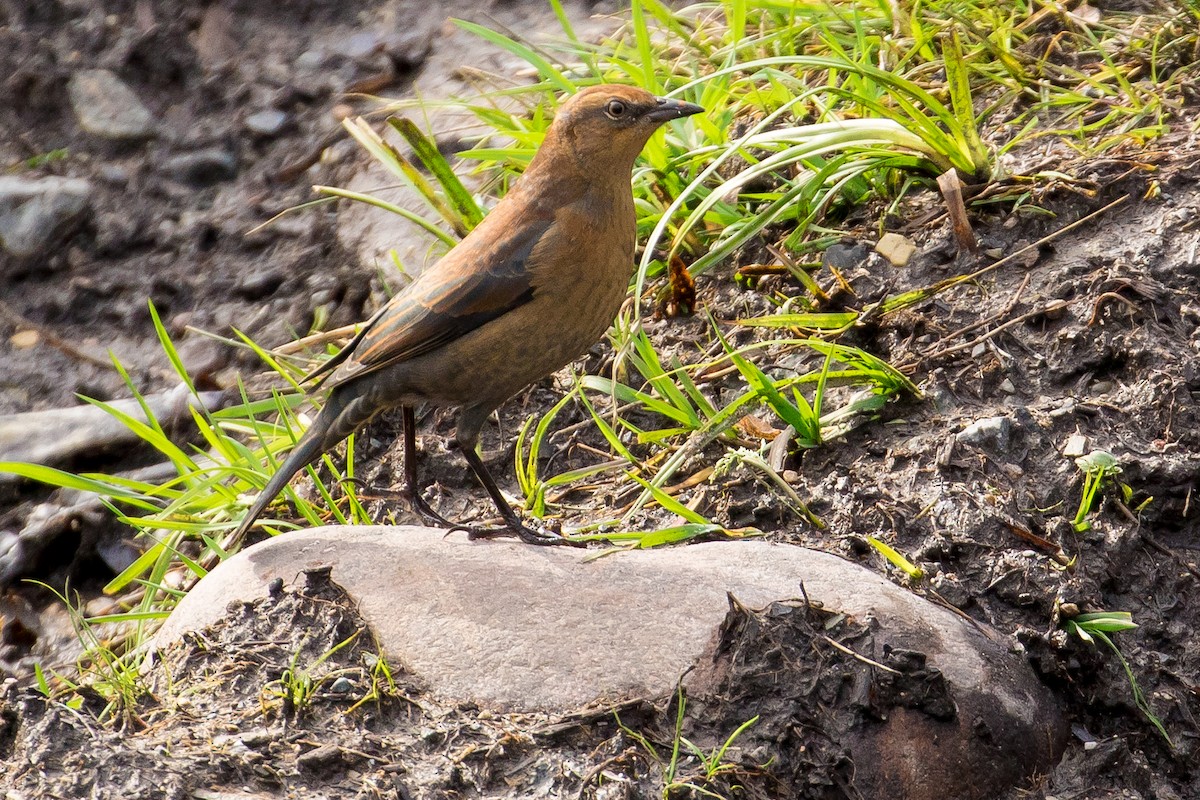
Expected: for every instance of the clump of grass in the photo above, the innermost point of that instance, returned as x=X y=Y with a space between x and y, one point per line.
x=1100 y=470
x=1096 y=626
x=299 y=684
x=710 y=765
x=104 y=669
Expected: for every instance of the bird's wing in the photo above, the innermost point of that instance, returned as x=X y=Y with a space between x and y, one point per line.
x=323 y=371
x=479 y=281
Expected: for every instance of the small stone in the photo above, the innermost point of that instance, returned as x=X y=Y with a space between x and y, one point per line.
x=323 y=756
x=323 y=297
x=267 y=123
x=310 y=60
x=1007 y=386
x=951 y=590
x=23 y=340
x=114 y=174
x=202 y=167
x=1065 y=407
x=361 y=44
x=845 y=256
x=106 y=107
x=202 y=357
x=896 y=248
x=341 y=686
x=35 y=213
x=231 y=744
x=993 y=431
x=1013 y=471
x=257 y=737
x=260 y=283
x=1076 y=445
x=408 y=50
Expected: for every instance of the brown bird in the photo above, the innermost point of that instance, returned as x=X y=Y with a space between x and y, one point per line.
x=530 y=289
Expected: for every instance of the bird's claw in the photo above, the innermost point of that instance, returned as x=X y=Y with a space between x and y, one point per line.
x=425 y=511
x=525 y=534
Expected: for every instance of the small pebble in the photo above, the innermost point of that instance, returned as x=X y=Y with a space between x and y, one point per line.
x=267 y=123
x=845 y=256
x=361 y=44
x=260 y=283
x=896 y=249
x=23 y=340
x=310 y=60
x=1076 y=445
x=994 y=431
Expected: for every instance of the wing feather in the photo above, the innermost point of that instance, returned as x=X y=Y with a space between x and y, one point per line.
x=457 y=297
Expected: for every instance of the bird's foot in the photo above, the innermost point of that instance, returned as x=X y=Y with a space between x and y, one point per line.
x=425 y=511
x=524 y=533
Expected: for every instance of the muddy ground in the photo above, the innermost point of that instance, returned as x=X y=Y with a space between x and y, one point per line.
x=1102 y=342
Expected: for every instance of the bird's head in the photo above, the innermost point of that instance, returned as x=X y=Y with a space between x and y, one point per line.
x=606 y=127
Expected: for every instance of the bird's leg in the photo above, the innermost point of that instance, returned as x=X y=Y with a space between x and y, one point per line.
x=512 y=522
x=412 y=489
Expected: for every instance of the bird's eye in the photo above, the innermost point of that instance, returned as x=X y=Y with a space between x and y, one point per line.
x=615 y=109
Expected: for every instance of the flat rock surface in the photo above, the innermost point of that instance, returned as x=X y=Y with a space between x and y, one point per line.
x=527 y=628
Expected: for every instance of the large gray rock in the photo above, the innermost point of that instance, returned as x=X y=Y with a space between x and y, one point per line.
x=35 y=212
x=106 y=107
x=518 y=628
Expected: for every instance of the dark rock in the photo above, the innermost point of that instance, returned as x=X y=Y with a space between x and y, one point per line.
x=203 y=357
x=202 y=167
x=846 y=256
x=323 y=756
x=260 y=283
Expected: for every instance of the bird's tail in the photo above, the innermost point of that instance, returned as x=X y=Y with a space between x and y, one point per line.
x=341 y=416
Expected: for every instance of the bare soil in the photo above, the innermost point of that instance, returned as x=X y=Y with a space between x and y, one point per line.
x=1095 y=335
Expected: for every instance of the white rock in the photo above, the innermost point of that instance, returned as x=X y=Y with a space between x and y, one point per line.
x=106 y=107
x=993 y=431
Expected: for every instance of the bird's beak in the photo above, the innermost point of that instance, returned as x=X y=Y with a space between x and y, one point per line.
x=668 y=109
